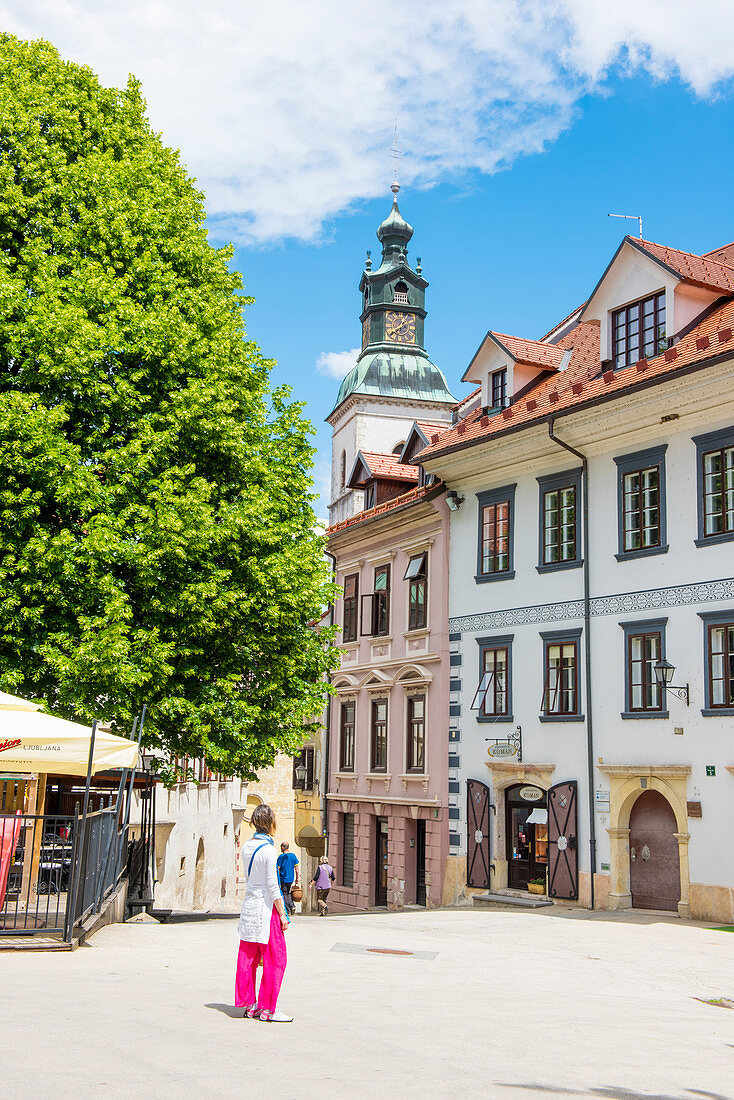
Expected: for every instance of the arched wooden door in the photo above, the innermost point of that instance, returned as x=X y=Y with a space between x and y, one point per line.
x=654 y=862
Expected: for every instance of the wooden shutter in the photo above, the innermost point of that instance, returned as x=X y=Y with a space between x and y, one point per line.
x=297 y=762
x=477 y=840
x=563 y=856
x=309 y=769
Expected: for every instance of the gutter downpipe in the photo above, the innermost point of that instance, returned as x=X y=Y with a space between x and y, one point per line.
x=587 y=646
x=327 y=723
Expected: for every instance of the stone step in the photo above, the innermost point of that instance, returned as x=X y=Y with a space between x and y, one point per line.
x=529 y=901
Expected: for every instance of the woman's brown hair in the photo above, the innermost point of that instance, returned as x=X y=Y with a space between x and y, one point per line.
x=263 y=819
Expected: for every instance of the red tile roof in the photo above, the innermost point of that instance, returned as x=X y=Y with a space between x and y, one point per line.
x=388 y=506
x=565 y=321
x=382 y=465
x=724 y=255
x=430 y=427
x=469 y=397
x=583 y=380
x=533 y=352
x=700 y=270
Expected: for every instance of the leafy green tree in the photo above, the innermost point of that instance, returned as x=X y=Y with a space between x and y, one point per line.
x=157 y=540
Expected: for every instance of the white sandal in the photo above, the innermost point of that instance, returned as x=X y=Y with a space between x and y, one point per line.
x=275 y=1018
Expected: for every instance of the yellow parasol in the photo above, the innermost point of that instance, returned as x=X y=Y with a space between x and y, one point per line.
x=31 y=741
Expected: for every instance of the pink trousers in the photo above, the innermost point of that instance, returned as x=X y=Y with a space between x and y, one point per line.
x=274 y=957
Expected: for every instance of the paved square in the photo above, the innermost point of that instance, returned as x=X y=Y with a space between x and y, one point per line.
x=514 y=1004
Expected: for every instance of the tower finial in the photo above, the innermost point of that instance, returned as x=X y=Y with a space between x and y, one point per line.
x=397 y=156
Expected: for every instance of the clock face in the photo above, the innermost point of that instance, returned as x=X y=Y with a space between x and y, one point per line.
x=365 y=332
x=400 y=327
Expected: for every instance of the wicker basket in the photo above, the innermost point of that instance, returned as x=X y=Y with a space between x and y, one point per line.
x=297 y=893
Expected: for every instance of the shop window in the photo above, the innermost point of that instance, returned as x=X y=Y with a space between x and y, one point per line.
x=495 y=549
x=560 y=521
x=561 y=696
x=379 y=735
x=351 y=598
x=644 y=646
x=718 y=652
x=715 y=480
x=641 y=518
x=346 y=736
x=416 y=757
x=416 y=575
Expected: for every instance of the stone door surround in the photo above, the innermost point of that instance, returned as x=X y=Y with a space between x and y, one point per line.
x=626 y=783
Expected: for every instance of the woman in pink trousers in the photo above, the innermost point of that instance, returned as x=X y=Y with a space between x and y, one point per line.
x=262 y=923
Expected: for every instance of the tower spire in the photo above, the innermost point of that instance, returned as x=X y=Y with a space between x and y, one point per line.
x=397 y=155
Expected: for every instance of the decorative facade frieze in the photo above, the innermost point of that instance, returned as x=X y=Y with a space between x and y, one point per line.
x=622 y=604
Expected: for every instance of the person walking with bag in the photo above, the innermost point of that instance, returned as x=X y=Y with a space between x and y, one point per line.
x=263 y=920
x=322 y=880
x=288 y=875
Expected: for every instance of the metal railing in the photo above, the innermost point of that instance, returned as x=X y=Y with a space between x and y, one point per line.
x=36 y=860
x=56 y=869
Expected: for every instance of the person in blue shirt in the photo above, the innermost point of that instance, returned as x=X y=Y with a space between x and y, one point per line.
x=288 y=875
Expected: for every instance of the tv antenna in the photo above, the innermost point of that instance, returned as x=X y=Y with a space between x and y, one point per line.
x=631 y=217
x=396 y=154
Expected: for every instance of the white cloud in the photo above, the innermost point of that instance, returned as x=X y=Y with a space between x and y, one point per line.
x=284 y=111
x=336 y=364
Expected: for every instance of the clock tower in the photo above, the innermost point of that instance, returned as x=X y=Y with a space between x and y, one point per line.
x=393 y=296
x=393 y=382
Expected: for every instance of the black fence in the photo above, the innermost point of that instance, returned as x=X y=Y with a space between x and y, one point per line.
x=55 y=870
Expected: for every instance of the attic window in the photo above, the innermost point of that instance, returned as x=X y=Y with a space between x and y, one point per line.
x=398 y=448
x=638 y=330
x=499 y=389
x=400 y=293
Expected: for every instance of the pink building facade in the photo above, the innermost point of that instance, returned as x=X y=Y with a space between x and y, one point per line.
x=388 y=768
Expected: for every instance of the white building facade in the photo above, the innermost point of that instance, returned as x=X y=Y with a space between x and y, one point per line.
x=576 y=570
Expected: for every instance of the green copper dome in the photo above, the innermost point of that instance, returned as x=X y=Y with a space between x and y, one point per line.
x=392 y=374
x=394 y=229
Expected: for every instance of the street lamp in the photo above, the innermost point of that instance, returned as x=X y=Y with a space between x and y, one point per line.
x=301 y=773
x=664 y=673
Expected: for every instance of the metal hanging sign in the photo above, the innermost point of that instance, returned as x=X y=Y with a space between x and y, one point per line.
x=502 y=749
x=505 y=747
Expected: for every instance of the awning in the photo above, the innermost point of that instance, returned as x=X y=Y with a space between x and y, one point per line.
x=34 y=742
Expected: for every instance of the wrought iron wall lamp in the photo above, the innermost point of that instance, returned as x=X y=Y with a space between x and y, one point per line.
x=664 y=673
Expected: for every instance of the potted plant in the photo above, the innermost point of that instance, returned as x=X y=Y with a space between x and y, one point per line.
x=537 y=885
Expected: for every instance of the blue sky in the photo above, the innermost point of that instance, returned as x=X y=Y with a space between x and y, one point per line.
x=523 y=123
x=515 y=251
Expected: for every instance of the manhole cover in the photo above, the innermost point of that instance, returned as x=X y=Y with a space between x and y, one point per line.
x=387 y=951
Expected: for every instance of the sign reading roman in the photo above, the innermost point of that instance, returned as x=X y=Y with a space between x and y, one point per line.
x=504 y=748
x=531 y=794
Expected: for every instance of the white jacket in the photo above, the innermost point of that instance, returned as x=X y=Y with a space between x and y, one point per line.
x=261 y=893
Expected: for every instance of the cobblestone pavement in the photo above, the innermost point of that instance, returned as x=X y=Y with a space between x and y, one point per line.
x=492 y=1003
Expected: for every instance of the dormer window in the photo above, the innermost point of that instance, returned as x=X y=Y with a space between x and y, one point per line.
x=400 y=293
x=499 y=389
x=638 y=330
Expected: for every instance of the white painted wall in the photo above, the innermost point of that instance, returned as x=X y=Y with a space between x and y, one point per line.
x=371 y=424
x=704 y=741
